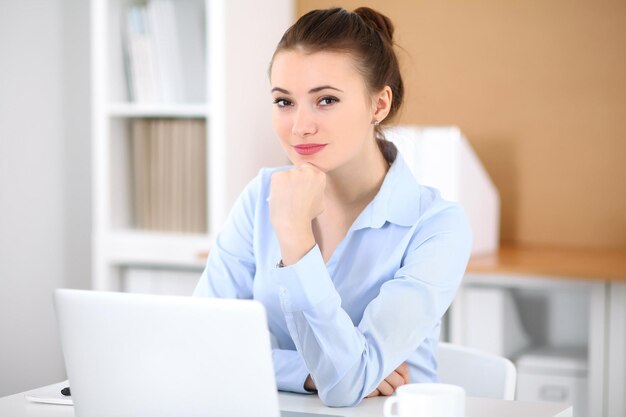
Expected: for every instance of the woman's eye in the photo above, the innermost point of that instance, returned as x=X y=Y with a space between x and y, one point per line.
x=327 y=101
x=281 y=102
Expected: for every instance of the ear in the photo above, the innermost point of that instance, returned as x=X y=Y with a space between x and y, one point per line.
x=381 y=103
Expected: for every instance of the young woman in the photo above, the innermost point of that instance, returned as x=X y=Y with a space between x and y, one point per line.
x=354 y=261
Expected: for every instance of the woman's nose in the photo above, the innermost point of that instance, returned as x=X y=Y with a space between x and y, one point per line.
x=304 y=122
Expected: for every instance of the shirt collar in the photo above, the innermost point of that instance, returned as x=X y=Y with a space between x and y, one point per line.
x=396 y=202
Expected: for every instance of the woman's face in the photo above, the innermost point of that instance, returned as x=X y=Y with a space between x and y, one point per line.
x=322 y=109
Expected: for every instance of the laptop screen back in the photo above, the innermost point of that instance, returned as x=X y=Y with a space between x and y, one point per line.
x=148 y=355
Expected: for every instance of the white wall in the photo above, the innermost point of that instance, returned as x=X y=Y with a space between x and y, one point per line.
x=44 y=180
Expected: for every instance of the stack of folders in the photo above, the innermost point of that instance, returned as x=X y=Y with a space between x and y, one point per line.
x=169 y=174
x=164 y=51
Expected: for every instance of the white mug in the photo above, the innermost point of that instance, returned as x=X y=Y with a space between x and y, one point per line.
x=427 y=400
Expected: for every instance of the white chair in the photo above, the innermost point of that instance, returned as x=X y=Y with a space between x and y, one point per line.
x=481 y=374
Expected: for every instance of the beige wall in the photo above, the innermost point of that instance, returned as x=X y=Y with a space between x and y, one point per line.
x=539 y=88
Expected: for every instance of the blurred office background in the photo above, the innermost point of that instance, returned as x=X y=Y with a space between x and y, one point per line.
x=45 y=190
x=537 y=87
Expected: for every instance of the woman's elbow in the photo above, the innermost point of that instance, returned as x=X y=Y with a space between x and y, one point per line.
x=339 y=396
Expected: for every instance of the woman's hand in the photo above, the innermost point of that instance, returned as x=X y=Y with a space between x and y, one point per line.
x=309 y=385
x=388 y=386
x=296 y=198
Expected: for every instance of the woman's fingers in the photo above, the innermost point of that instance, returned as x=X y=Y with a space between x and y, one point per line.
x=296 y=197
x=385 y=388
x=388 y=386
x=403 y=370
x=395 y=380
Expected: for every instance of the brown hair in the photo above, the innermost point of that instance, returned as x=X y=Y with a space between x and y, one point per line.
x=365 y=33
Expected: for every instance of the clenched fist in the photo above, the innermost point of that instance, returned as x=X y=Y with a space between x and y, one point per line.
x=296 y=198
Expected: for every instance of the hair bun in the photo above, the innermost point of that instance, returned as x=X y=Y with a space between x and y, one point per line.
x=377 y=21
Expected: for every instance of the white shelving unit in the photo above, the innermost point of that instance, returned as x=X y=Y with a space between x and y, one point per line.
x=239 y=39
x=562 y=316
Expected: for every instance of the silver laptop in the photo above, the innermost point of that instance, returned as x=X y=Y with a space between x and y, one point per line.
x=148 y=355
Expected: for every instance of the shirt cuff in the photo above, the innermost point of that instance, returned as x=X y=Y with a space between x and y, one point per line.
x=305 y=284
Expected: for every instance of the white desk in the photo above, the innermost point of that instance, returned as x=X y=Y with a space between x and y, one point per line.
x=17 y=406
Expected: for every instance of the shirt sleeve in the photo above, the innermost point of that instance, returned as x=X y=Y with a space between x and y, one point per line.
x=347 y=362
x=290 y=370
x=229 y=273
x=230 y=267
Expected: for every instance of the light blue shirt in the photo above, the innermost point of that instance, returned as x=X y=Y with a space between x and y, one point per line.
x=375 y=304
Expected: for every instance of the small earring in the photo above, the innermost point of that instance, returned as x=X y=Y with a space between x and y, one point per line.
x=375 y=122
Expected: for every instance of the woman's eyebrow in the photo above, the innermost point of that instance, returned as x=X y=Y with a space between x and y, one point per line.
x=324 y=87
x=312 y=90
x=280 y=90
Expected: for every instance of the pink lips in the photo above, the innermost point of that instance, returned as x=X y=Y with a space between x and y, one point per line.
x=309 y=148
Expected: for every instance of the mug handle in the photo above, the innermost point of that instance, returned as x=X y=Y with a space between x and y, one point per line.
x=389 y=403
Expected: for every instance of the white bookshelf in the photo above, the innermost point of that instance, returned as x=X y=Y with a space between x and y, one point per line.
x=553 y=327
x=126 y=109
x=239 y=39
